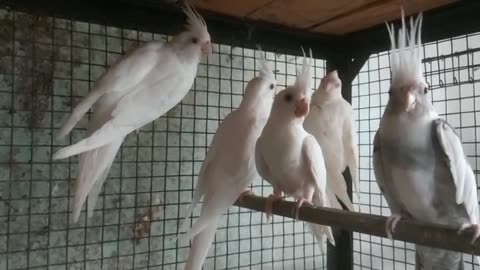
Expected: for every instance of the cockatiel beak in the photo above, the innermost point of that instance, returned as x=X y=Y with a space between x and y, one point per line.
x=302 y=107
x=332 y=74
x=207 y=48
x=409 y=98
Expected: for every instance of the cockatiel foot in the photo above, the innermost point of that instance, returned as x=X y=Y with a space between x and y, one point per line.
x=276 y=196
x=300 y=202
x=474 y=227
x=245 y=193
x=391 y=224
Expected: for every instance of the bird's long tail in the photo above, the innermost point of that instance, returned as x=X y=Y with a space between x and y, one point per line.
x=336 y=186
x=214 y=205
x=321 y=232
x=80 y=110
x=203 y=230
x=427 y=258
x=94 y=167
x=106 y=134
x=200 y=245
x=209 y=212
x=197 y=196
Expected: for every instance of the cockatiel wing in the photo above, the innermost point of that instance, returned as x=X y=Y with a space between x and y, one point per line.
x=219 y=184
x=382 y=178
x=462 y=174
x=141 y=106
x=351 y=149
x=121 y=78
x=313 y=158
x=203 y=175
x=260 y=163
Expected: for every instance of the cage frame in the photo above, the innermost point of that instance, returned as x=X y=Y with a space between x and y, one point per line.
x=346 y=54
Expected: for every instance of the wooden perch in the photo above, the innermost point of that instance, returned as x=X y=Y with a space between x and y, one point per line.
x=409 y=231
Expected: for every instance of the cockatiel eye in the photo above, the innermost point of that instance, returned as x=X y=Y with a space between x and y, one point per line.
x=288 y=97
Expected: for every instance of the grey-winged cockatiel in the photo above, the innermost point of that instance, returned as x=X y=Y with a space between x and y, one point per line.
x=330 y=120
x=288 y=157
x=418 y=158
x=140 y=87
x=229 y=166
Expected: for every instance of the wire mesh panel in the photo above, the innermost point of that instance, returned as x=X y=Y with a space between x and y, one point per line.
x=451 y=71
x=47 y=65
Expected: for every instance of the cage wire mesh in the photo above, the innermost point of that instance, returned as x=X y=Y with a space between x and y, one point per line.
x=451 y=71
x=47 y=65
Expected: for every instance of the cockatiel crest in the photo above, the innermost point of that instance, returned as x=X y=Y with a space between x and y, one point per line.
x=406 y=53
x=265 y=71
x=195 y=22
x=304 y=75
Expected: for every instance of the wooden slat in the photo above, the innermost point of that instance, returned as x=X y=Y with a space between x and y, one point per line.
x=236 y=8
x=304 y=14
x=377 y=14
x=336 y=17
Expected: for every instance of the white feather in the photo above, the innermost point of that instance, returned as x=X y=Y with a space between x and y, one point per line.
x=330 y=120
x=462 y=174
x=304 y=75
x=137 y=89
x=406 y=53
x=229 y=166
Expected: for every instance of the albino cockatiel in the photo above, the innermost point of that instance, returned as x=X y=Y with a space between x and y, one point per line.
x=330 y=120
x=288 y=157
x=140 y=87
x=418 y=158
x=229 y=166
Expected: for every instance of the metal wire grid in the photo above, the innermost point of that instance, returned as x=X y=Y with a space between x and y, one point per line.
x=451 y=70
x=47 y=65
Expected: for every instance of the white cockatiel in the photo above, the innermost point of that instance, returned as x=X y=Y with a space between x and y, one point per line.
x=330 y=120
x=418 y=158
x=140 y=87
x=229 y=166
x=288 y=157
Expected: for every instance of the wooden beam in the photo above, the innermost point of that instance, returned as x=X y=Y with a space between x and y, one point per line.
x=432 y=235
x=376 y=14
x=459 y=18
x=157 y=17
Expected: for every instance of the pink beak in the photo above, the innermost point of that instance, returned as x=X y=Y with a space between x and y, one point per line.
x=333 y=73
x=302 y=107
x=409 y=98
x=207 y=48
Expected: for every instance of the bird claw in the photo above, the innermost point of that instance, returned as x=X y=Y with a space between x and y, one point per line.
x=300 y=202
x=269 y=206
x=391 y=224
x=474 y=227
x=246 y=192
